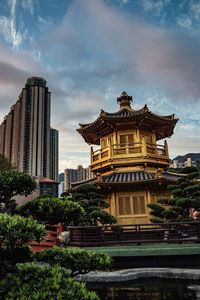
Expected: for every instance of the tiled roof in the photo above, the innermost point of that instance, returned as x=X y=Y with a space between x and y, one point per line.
x=130 y=112
x=128 y=176
x=78 y=183
x=47 y=180
x=172 y=176
x=123 y=113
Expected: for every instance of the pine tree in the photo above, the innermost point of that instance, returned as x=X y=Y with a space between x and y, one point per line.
x=186 y=195
x=93 y=203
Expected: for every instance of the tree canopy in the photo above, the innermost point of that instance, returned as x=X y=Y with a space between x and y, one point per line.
x=52 y=210
x=93 y=203
x=15 y=233
x=186 y=195
x=79 y=261
x=14 y=183
x=34 y=282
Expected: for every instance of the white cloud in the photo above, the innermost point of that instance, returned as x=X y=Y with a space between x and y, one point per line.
x=16 y=36
x=28 y=5
x=195 y=9
x=184 y=21
x=5 y=28
x=154 y=6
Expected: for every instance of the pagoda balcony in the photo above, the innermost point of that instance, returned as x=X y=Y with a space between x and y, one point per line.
x=136 y=153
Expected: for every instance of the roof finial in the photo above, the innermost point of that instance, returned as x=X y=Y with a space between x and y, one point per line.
x=124 y=100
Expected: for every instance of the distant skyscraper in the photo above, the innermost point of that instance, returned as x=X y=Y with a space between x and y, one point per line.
x=61 y=177
x=74 y=175
x=53 y=154
x=25 y=131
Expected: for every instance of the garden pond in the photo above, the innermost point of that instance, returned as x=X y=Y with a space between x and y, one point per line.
x=148 y=289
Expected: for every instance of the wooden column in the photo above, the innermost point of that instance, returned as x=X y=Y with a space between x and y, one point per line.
x=166 y=148
x=91 y=155
x=144 y=147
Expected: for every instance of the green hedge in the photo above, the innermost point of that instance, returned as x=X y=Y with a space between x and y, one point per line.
x=43 y=283
x=79 y=261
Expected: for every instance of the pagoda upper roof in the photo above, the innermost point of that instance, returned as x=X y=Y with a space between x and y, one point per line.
x=133 y=177
x=143 y=118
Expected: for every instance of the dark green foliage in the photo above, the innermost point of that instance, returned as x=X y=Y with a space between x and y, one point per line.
x=155 y=220
x=42 y=283
x=64 y=195
x=186 y=170
x=42 y=196
x=15 y=233
x=189 y=170
x=93 y=203
x=53 y=210
x=16 y=230
x=14 y=183
x=5 y=163
x=193 y=175
x=79 y=261
x=186 y=196
x=157 y=209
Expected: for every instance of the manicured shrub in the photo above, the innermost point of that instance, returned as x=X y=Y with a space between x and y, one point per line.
x=186 y=194
x=79 y=261
x=52 y=210
x=42 y=283
x=15 y=233
x=93 y=203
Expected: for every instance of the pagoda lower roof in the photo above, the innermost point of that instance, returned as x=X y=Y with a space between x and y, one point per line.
x=129 y=178
x=106 y=122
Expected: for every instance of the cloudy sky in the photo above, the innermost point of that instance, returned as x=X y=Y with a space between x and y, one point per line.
x=89 y=51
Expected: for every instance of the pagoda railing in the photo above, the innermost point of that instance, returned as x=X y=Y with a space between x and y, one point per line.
x=129 y=150
x=177 y=232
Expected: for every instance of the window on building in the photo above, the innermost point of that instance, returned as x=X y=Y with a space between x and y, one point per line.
x=103 y=143
x=131 y=205
x=126 y=139
x=124 y=205
x=148 y=139
x=138 y=205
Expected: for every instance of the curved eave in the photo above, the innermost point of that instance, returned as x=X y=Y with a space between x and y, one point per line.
x=92 y=132
x=131 y=178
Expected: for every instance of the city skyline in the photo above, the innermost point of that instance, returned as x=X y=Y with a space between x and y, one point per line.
x=89 y=53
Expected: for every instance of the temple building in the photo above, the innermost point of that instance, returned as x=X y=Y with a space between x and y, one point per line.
x=131 y=163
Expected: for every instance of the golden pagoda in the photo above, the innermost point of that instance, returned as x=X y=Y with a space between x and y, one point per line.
x=130 y=167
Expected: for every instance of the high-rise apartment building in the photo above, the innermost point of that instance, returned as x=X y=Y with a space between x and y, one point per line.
x=74 y=175
x=25 y=131
x=53 y=154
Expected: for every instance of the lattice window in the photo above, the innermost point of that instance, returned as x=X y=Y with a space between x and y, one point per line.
x=148 y=139
x=138 y=205
x=126 y=139
x=124 y=205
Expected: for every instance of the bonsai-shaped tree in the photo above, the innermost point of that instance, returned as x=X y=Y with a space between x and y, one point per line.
x=13 y=183
x=93 y=203
x=186 y=194
x=50 y=210
x=79 y=261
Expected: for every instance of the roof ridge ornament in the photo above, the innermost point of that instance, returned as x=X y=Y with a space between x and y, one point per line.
x=124 y=100
x=145 y=108
x=102 y=113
